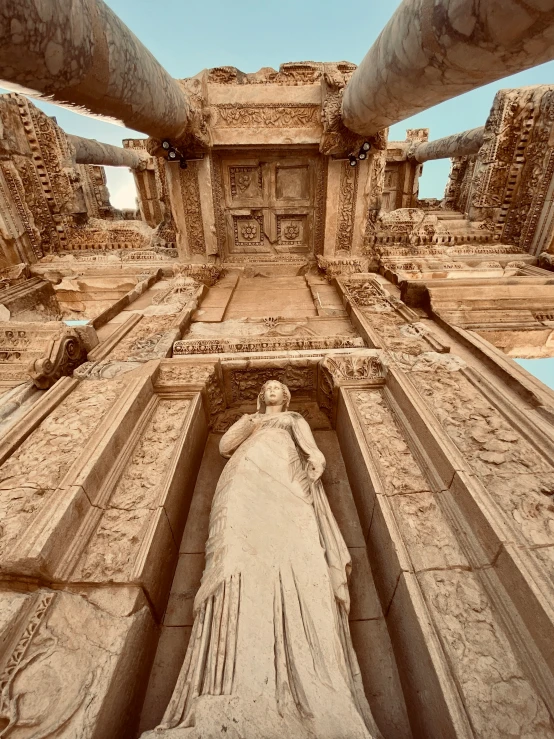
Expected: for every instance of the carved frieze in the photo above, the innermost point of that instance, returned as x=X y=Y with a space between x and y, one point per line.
x=514 y=167
x=131 y=507
x=337 y=266
x=348 y=190
x=34 y=471
x=268 y=115
x=190 y=192
x=206 y=274
x=263 y=343
x=290 y=73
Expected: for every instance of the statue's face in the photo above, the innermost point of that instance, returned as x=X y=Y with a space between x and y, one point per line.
x=274 y=394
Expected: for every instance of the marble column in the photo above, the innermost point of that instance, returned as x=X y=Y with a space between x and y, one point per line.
x=81 y=54
x=433 y=50
x=90 y=151
x=461 y=144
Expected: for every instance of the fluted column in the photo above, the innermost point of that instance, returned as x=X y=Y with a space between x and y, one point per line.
x=461 y=144
x=90 y=151
x=433 y=50
x=80 y=53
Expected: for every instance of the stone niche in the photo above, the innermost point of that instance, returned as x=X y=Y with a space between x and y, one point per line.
x=232 y=385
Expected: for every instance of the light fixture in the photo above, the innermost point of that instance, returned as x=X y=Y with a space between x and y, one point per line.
x=366 y=146
x=362 y=154
x=353 y=161
x=183 y=164
x=172 y=155
x=166 y=145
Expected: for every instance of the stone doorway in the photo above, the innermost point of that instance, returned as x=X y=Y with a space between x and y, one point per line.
x=271 y=205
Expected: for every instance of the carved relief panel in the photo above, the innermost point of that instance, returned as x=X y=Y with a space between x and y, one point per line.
x=390 y=186
x=270 y=204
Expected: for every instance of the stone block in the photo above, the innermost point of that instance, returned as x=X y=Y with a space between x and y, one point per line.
x=170 y=654
x=433 y=703
x=186 y=582
x=364 y=601
x=196 y=528
x=386 y=549
x=72 y=668
x=380 y=677
x=337 y=488
x=356 y=461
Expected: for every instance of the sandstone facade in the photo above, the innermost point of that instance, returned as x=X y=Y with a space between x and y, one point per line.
x=274 y=247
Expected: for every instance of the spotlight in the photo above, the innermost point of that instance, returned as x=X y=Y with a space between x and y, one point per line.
x=366 y=146
x=172 y=155
x=183 y=164
x=353 y=161
x=166 y=145
x=362 y=154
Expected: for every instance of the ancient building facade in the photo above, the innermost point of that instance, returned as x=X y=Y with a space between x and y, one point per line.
x=275 y=243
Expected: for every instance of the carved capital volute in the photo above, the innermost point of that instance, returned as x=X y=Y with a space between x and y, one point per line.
x=67 y=352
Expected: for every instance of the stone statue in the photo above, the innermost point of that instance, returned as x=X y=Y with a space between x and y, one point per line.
x=270 y=654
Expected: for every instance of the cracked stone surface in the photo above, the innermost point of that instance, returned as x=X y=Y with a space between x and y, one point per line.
x=433 y=51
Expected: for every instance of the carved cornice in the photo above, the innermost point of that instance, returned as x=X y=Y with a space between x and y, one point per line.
x=230 y=385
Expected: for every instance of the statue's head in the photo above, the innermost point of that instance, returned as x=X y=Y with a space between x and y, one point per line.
x=273 y=392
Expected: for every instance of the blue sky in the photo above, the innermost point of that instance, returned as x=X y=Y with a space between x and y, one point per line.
x=542 y=369
x=186 y=37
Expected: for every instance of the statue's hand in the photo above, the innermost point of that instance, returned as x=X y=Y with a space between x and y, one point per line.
x=315 y=470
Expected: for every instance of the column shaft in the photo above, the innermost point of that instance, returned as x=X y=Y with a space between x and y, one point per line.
x=80 y=53
x=461 y=144
x=90 y=151
x=433 y=50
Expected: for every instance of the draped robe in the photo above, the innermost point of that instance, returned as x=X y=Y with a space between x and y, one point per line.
x=270 y=654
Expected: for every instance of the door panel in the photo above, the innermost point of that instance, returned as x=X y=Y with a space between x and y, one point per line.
x=269 y=204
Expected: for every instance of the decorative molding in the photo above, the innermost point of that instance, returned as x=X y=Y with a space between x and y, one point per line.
x=366 y=366
x=67 y=353
x=190 y=192
x=268 y=115
x=348 y=190
x=264 y=343
x=207 y=274
x=337 y=266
